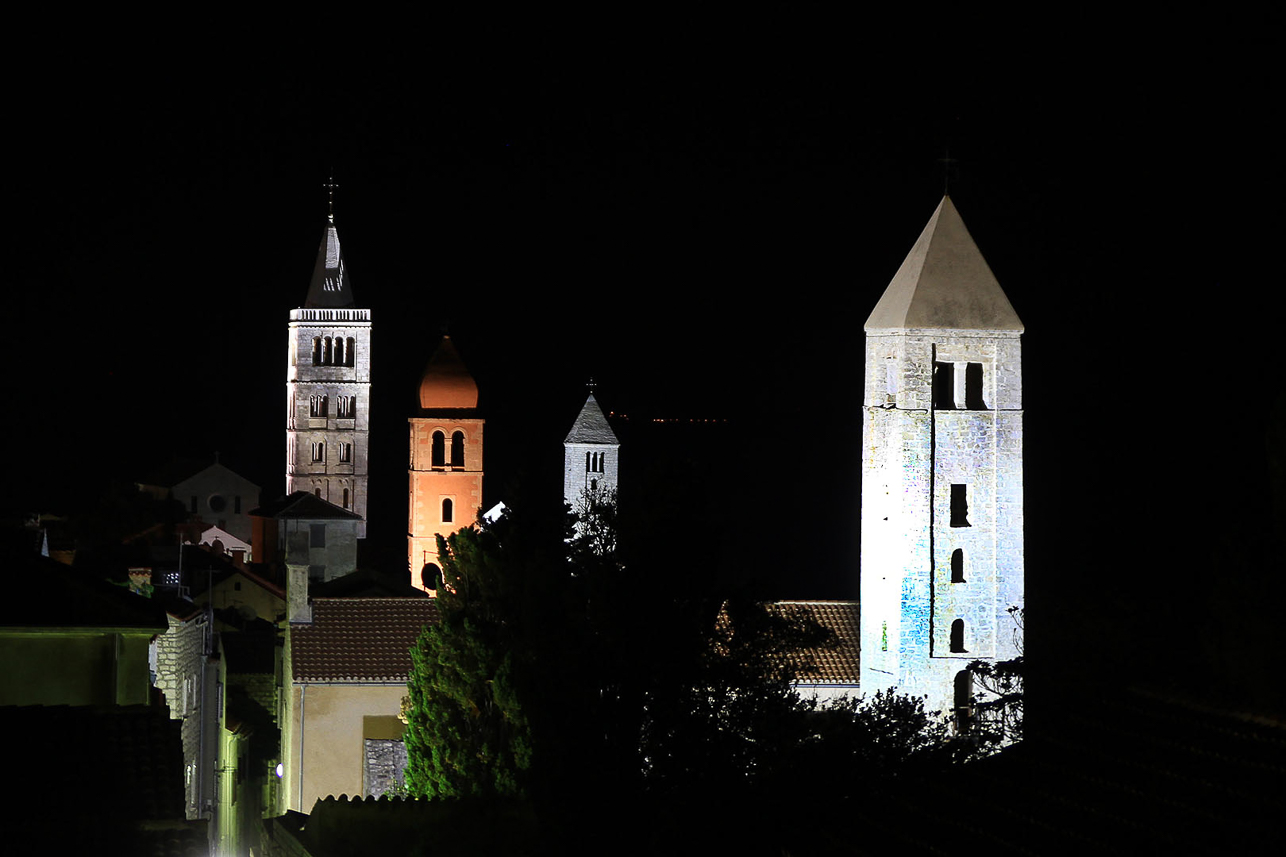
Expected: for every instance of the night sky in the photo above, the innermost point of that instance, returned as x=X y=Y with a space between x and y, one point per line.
x=706 y=240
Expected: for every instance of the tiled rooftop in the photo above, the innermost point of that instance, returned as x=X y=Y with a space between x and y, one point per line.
x=359 y=639
x=834 y=665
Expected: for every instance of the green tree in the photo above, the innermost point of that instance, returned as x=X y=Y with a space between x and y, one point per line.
x=466 y=733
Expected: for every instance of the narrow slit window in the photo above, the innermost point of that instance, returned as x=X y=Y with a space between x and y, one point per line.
x=339 y=351
x=345 y=498
x=348 y=352
x=960 y=505
x=328 y=351
x=957 y=566
x=317 y=351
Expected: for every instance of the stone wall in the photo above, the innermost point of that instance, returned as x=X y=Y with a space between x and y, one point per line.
x=385 y=764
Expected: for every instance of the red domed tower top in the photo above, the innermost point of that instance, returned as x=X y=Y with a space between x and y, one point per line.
x=446 y=382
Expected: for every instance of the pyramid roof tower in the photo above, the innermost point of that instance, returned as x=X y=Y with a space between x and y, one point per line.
x=446 y=383
x=330 y=287
x=591 y=425
x=944 y=283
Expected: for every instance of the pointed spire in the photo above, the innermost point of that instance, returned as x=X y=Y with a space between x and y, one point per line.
x=944 y=283
x=591 y=425
x=330 y=287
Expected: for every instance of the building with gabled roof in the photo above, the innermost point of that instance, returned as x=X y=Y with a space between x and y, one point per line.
x=329 y=535
x=347 y=671
x=833 y=670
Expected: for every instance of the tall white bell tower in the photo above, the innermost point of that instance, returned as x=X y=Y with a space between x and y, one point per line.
x=942 y=471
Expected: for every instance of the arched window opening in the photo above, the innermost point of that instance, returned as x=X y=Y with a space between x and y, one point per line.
x=957 y=636
x=317 y=491
x=348 y=352
x=345 y=498
x=957 y=566
x=339 y=351
x=439 y=449
x=431 y=577
x=328 y=351
x=448 y=511
x=593 y=484
x=317 y=351
x=457 y=449
x=318 y=406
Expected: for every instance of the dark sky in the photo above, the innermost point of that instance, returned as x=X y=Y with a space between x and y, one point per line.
x=706 y=240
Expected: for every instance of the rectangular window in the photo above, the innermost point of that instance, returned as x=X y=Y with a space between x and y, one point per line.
x=944 y=386
x=317 y=535
x=973 y=387
x=960 y=505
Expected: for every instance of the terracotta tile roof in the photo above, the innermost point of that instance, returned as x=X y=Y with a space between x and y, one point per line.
x=838 y=664
x=359 y=639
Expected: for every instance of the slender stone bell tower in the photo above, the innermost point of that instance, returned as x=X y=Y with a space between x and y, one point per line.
x=942 y=471
x=328 y=386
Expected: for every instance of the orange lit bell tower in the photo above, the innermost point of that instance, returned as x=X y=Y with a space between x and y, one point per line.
x=445 y=463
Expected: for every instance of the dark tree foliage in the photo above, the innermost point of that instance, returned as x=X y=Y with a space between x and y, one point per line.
x=998 y=695
x=566 y=671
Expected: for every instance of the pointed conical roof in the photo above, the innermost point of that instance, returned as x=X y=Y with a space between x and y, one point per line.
x=330 y=286
x=446 y=382
x=944 y=283
x=591 y=426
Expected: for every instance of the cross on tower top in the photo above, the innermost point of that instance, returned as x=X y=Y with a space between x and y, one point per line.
x=331 y=187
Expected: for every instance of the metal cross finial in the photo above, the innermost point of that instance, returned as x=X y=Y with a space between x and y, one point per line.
x=331 y=187
x=946 y=162
x=591 y=383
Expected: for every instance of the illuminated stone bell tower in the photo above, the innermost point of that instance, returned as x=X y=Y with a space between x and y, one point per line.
x=942 y=471
x=591 y=454
x=445 y=462
x=328 y=387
